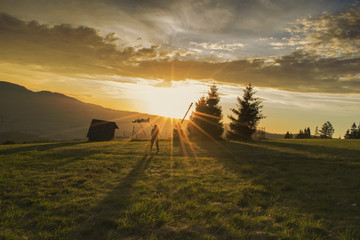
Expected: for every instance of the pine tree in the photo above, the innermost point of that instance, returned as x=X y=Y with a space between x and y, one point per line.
x=308 y=133
x=288 y=135
x=304 y=134
x=326 y=130
x=301 y=134
x=247 y=116
x=215 y=112
x=205 y=121
x=353 y=131
x=196 y=123
x=347 y=134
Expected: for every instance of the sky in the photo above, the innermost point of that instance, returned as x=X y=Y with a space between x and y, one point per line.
x=302 y=57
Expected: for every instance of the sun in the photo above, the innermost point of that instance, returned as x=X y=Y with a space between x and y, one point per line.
x=171 y=102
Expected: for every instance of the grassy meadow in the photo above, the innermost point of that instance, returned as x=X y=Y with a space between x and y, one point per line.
x=271 y=189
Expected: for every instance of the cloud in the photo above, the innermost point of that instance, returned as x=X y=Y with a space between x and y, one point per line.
x=176 y=23
x=66 y=49
x=219 y=45
x=298 y=72
x=330 y=35
x=327 y=60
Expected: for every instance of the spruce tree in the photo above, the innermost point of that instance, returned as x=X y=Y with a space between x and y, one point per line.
x=301 y=134
x=353 y=131
x=347 y=134
x=308 y=133
x=215 y=113
x=288 y=135
x=247 y=116
x=304 y=134
x=196 y=124
x=206 y=120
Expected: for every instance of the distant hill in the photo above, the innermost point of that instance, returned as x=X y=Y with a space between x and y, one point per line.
x=18 y=137
x=27 y=116
x=274 y=135
x=30 y=116
x=257 y=134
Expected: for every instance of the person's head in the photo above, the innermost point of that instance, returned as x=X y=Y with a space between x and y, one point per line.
x=155 y=126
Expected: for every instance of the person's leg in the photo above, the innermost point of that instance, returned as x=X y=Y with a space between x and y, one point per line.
x=157 y=145
x=151 y=144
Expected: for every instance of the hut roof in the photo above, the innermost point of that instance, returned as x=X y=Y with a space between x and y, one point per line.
x=101 y=130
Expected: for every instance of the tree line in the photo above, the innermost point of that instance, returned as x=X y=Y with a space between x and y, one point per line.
x=326 y=131
x=353 y=132
x=206 y=121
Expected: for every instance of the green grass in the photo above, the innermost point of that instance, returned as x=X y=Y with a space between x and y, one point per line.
x=275 y=189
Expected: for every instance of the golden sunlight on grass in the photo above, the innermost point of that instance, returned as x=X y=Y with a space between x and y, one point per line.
x=218 y=190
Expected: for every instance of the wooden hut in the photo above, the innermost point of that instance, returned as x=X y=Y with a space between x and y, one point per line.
x=101 y=130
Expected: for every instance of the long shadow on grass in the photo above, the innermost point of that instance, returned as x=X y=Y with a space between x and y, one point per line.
x=321 y=187
x=53 y=155
x=103 y=218
x=39 y=147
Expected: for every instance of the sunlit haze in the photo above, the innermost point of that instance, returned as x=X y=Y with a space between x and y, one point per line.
x=157 y=57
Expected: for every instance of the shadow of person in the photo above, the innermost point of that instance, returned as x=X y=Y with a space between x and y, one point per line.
x=103 y=218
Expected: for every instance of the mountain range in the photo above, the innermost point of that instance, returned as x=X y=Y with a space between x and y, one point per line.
x=27 y=116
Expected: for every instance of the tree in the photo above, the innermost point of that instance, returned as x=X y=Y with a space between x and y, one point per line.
x=304 y=134
x=347 y=134
x=215 y=112
x=353 y=133
x=206 y=120
x=308 y=133
x=288 y=135
x=316 y=132
x=326 y=130
x=247 y=116
x=300 y=134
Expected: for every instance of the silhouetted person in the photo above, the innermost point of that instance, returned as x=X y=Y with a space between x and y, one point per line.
x=155 y=137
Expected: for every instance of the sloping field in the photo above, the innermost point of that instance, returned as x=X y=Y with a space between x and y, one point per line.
x=283 y=189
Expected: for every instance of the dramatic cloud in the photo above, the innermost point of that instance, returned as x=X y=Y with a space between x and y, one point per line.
x=67 y=49
x=157 y=56
x=297 y=72
x=327 y=60
x=176 y=23
x=331 y=35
